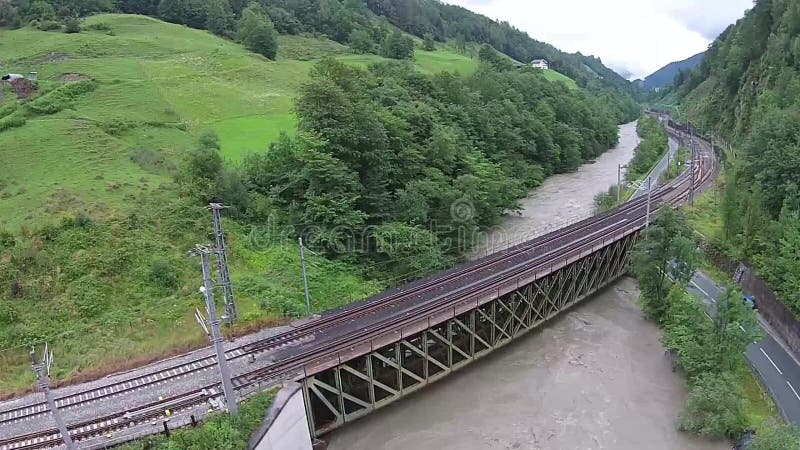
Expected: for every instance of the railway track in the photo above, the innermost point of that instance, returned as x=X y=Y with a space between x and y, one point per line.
x=471 y=277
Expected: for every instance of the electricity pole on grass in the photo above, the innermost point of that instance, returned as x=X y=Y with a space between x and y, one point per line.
x=222 y=264
x=305 y=278
x=44 y=384
x=216 y=336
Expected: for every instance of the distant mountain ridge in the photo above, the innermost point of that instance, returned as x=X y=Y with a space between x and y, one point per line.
x=665 y=76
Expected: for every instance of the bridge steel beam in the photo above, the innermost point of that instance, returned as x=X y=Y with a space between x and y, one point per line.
x=348 y=390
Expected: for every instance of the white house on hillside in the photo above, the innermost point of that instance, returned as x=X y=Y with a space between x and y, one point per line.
x=540 y=64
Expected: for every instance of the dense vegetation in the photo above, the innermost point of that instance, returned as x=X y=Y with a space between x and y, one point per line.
x=651 y=149
x=219 y=432
x=409 y=166
x=783 y=438
x=708 y=348
x=747 y=90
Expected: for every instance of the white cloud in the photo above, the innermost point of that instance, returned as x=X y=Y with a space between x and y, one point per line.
x=639 y=36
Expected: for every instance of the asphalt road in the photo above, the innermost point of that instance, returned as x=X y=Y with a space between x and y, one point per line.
x=659 y=168
x=778 y=370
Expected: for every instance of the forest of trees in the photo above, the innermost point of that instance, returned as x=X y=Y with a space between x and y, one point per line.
x=407 y=166
x=708 y=343
x=748 y=91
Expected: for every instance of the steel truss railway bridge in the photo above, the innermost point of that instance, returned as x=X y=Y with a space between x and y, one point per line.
x=359 y=358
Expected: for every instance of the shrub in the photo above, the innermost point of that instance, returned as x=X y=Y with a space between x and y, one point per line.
x=153 y=161
x=80 y=220
x=47 y=25
x=88 y=297
x=715 y=407
x=164 y=274
x=116 y=127
x=12 y=121
x=99 y=26
x=28 y=259
x=220 y=431
x=7 y=110
x=6 y=240
x=61 y=97
x=72 y=25
x=8 y=314
x=783 y=437
x=282 y=306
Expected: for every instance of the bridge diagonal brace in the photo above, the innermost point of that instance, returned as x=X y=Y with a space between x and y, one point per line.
x=450 y=344
x=427 y=357
x=472 y=332
x=320 y=396
x=399 y=367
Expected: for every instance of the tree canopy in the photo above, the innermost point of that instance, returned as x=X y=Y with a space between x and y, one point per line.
x=747 y=90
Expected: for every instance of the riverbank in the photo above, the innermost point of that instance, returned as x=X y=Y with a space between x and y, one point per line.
x=561 y=199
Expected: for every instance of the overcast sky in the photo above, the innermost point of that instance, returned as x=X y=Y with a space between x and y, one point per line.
x=639 y=36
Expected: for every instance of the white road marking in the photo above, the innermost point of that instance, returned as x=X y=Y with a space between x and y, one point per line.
x=773 y=363
x=701 y=290
x=792 y=388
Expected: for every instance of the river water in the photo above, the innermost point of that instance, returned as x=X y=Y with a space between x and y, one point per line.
x=594 y=378
x=562 y=199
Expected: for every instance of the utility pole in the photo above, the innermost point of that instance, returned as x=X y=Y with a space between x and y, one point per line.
x=305 y=278
x=619 y=181
x=649 y=190
x=222 y=264
x=691 y=170
x=216 y=336
x=44 y=384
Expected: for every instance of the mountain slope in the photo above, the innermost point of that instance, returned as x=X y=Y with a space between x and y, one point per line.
x=747 y=90
x=665 y=76
x=449 y=22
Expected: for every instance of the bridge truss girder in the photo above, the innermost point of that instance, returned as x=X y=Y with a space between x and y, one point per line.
x=356 y=387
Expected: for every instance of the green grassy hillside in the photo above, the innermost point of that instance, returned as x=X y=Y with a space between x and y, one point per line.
x=552 y=75
x=158 y=85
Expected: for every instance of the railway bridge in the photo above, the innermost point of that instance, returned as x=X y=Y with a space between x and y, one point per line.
x=359 y=358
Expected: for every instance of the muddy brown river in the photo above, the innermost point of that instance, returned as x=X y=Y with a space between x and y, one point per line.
x=594 y=378
x=562 y=199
